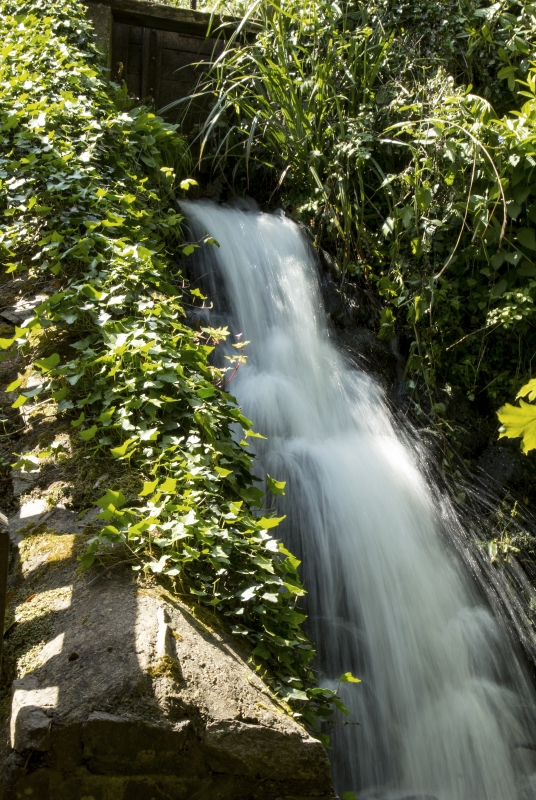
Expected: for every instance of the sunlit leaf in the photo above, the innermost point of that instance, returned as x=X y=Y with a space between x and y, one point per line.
x=519 y=422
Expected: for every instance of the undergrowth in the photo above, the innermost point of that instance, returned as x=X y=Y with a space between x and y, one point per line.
x=87 y=201
x=403 y=138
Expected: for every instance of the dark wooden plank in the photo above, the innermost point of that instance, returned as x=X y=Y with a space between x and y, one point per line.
x=185 y=113
x=153 y=65
x=133 y=76
x=178 y=66
x=120 y=41
x=192 y=44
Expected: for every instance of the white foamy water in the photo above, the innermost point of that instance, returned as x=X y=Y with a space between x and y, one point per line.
x=443 y=698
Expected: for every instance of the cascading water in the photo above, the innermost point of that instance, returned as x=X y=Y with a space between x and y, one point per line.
x=443 y=698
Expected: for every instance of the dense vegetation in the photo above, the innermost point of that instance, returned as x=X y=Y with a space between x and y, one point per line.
x=403 y=136
x=88 y=185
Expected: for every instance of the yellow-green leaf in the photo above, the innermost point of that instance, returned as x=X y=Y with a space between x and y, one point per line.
x=528 y=389
x=121 y=451
x=21 y=399
x=14 y=385
x=348 y=678
x=270 y=522
x=223 y=472
x=519 y=422
x=148 y=488
x=111 y=498
x=276 y=487
x=168 y=486
x=185 y=185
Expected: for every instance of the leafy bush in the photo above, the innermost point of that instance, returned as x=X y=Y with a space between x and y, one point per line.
x=359 y=120
x=87 y=201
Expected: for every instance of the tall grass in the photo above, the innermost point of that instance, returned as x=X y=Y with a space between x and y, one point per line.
x=299 y=102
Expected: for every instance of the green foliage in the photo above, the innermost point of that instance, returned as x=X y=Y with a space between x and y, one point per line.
x=360 y=121
x=86 y=201
x=519 y=422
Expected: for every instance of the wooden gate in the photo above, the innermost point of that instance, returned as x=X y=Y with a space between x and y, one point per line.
x=160 y=66
x=157 y=50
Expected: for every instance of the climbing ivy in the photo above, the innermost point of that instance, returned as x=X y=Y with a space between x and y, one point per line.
x=87 y=209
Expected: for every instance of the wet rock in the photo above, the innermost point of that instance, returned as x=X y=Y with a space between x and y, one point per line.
x=156 y=704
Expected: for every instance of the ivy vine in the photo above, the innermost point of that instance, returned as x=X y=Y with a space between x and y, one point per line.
x=87 y=191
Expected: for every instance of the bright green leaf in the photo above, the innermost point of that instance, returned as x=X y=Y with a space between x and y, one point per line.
x=89 y=433
x=347 y=677
x=148 y=488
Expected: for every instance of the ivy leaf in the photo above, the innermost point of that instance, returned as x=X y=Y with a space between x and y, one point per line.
x=46 y=364
x=87 y=560
x=248 y=594
x=89 y=433
x=252 y=495
x=111 y=498
x=347 y=677
x=519 y=422
x=148 y=488
x=270 y=522
x=106 y=415
x=207 y=391
x=168 y=487
x=77 y=422
x=223 y=472
x=20 y=401
x=292 y=558
x=14 y=385
x=197 y=292
x=276 y=487
x=119 y=452
x=90 y=291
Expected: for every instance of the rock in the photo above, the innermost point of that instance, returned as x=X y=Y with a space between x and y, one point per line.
x=36 y=512
x=30 y=724
x=23 y=481
x=22 y=309
x=132 y=694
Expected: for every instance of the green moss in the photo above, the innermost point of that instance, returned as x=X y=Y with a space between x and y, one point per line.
x=166 y=667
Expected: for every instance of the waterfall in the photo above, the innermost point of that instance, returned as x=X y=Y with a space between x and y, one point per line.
x=444 y=698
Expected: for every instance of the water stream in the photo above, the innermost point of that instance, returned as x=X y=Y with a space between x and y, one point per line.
x=443 y=699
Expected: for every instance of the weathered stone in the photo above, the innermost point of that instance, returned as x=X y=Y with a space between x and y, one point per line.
x=23 y=481
x=22 y=309
x=100 y=15
x=133 y=697
x=58 y=519
x=30 y=724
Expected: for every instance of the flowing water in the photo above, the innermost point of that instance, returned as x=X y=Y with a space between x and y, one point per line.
x=443 y=699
